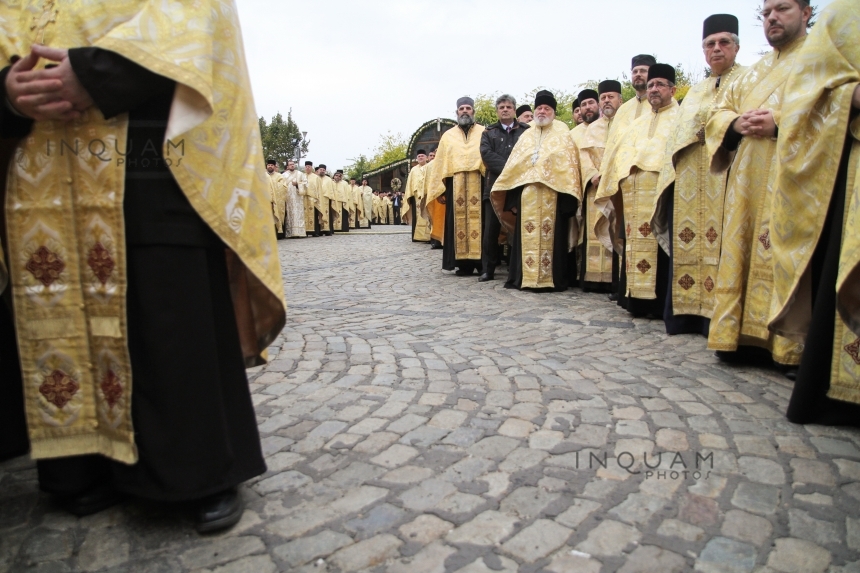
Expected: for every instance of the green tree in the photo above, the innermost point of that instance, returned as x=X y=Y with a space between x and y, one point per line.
x=392 y=147
x=282 y=138
x=359 y=167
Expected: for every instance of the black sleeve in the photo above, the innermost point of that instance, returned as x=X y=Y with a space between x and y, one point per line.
x=116 y=84
x=495 y=163
x=732 y=139
x=12 y=125
x=512 y=198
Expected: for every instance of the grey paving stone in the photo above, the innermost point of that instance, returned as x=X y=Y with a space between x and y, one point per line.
x=722 y=555
x=306 y=549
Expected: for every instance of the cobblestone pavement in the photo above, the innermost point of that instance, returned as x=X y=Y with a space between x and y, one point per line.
x=418 y=422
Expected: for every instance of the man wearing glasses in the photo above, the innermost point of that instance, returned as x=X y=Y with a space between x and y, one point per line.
x=626 y=196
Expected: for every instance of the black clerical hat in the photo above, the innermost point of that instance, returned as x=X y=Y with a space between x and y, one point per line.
x=339 y=171
x=420 y=152
x=545 y=97
x=575 y=104
x=321 y=166
x=609 y=86
x=587 y=94
x=311 y=163
x=643 y=60
x=662 y=71
x=522 y=109
x=720 y=23
x=271 y=161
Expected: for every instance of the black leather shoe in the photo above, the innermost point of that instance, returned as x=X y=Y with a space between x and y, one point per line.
x=613 y=297
x=486 y=277
x=462 y=273
x=220 y=511
x=91 y=501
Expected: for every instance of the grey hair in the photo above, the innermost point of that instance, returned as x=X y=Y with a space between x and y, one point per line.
x=506 y=98
x=735 y=38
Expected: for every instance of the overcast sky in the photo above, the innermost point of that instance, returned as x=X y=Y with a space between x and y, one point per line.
x=352 y=71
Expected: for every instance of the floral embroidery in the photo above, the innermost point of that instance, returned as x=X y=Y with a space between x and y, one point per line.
x=473 y=200
x=546 y=261
x=687 y=235
x=475 y=234
x=711 y=235
x=461 y=235
x=461 y=201
x=853 y=350
x=45 y=265
x=111 y=388
x=100 y=261
x=645 y=229
x=643 y=266
x=530 y=227
x=686 y=282
x=547 y=228
x=530 y=262
x=58 y=388
x=709 y=284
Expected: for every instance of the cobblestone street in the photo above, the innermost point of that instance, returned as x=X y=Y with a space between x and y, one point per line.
x=414 y=421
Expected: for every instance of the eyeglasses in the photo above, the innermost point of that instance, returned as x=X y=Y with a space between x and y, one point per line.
x=661 y=85
x=723 y=44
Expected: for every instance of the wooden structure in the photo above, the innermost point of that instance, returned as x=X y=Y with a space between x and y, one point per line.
x=425 y=137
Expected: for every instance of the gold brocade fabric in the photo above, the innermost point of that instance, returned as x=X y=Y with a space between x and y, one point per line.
x=459 y=157
x=416 y=188
x=325 y=203
x=629 y=112
x=433 y=210
x=311 y=202
x=638 y=191
x=698 y=202
x=544 y=162
x=577 y=132
x=279 y=199
x=65 y=218
x=816 y=120
x=537 y=232
x=745 y=283
x=367 y=201
x=598 y=259
x=643 y=149
x=294 y=224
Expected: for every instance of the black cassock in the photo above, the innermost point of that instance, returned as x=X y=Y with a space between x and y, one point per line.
x=195 y=426
x=809 y=403
x=561 y=274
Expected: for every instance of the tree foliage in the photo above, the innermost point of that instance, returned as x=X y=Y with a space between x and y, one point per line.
x=392 y=147
x=282 y=138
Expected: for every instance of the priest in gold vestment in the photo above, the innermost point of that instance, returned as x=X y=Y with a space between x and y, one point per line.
x=312 y=199
x=415 y=190
x=294 y=223
x=141 y=290
x=344 y=200
x=358 y=201
x=536 y=197
x=744 y=127
x=595 y=273
x=457 y=183
x=635 y=107
x=279 y=195
x=367 y=198
x=325 y=206
x=816 y=220
x=434 y=211
x=627 y=193
x=688 y=217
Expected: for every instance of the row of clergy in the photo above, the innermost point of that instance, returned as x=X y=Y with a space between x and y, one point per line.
x=732 y=215
x=313 y=203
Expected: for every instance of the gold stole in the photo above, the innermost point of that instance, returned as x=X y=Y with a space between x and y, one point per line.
x=279 y=199
x=598 y=259
x=325 y=200
x=311 y=199
x=641 y=246
x=538 y=208
x=467 y=215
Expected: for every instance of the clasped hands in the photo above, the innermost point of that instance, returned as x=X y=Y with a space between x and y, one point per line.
x=50 y=94
x=756 y=123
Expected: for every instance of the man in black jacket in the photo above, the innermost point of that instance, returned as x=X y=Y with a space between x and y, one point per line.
x=497 y=142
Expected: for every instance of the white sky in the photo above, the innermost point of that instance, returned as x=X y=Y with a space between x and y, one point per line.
x=353 y=70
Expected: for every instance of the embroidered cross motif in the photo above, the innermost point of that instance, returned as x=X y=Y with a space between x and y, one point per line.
x=100 y=261
x=473 y=200
x=461 y=201
x=111 y=388
x=475 y=234
x=58 y=388
x=764 y=239
x=687 y=235
x=45 y=265
x=546 y=227
x=853 y=350
x=643 y=266
x=48 y=16
x=530 y=227
x=530 y=262
x=711 y=235
x=686 y=282
x=645 y=229
x=709 y=284
x=546 y=261
x=461 y=235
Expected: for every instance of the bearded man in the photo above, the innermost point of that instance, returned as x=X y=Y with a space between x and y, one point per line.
x=294 y=222
x=279 y=196
x=525 y=114
x=433 y=210
x=312 y=200
x=816 y=239
x=588 y=111
x=595 y=273
x=458 y=179
x=133 y=280
x=537 y=196
x=415 y=190
x=325 y=207
x=742 y=134
x=688 y=218
x=577 y=113
x=344 y=200
x=627 y=192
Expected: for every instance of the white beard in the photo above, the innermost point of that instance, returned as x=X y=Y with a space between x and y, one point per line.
x=543 y=121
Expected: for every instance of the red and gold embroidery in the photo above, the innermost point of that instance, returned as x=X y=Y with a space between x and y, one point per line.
x=530 y=227
x=711 y=235
x=546 y=228
x=686 y=282
x=709 y=284
x=59 y=388
x=853 y=351
x=643 y=266
x=530 y=262
x=111 y=388
x=687 y=235
x=546 y=261
x=764 y=239
x=645 y=229
x=46 y=266
x=101 y=263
